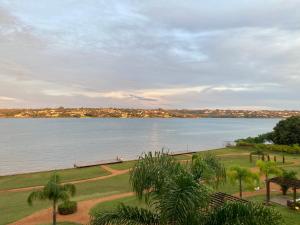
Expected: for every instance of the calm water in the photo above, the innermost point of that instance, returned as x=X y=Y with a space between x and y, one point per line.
x=42 y=144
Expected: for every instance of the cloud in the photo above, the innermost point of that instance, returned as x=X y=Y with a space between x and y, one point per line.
x=4 y=98
x=170 y=54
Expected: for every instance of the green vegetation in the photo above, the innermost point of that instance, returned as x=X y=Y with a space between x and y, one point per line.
x=53 y=191
x=290 y=216
x=67 y=207
x=13 y=205
x=108 y=206
x=36 y=179
x=178 y=196
x=268 y=168
x=242 y=176
x=286 y=132
x=208 y=168
x=287 y=175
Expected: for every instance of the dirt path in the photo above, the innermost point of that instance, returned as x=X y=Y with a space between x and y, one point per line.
x=112 y=174
x=81 y=216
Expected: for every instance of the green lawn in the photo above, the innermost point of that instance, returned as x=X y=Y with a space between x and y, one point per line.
x=123 y=166
x=35 y=179
x=106 y=206
x=13 y=206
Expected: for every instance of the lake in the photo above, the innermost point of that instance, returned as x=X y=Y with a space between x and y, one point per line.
x=43 y=144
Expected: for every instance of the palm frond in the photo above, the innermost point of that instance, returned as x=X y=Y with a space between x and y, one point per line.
x=36 y=195
x=126 y=215
x=182 y=200
x=151 y=172
x=70 y=188
x=244 y=214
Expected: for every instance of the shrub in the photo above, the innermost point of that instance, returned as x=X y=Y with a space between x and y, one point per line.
x=294 y=149
x=244 y=144
x=67 y=208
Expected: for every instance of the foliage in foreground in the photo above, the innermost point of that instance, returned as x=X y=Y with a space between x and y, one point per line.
x=177 y=195
x=244 y=214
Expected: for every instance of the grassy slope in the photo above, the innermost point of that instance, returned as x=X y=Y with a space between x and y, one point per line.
x=13 y=206
x=34 y=179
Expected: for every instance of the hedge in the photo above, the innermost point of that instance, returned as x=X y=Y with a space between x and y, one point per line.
x=294 y=149
x=67 y=208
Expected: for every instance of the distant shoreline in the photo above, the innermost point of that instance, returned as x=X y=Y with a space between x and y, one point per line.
x=143 y=113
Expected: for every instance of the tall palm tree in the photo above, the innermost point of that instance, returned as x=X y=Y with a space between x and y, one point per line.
x=242 y=175
x=53 y=191
x=172 y=194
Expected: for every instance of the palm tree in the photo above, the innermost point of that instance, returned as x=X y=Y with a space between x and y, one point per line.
x=208 y=168
x=268 y=168
x=53 y=191
x=287 y=175
x=238 y=213
x=173 y=197
x=242 y=175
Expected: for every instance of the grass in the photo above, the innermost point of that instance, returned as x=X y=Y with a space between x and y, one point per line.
x=35 y=179
x=106 y=206
x=122 y=166
x=13 y=206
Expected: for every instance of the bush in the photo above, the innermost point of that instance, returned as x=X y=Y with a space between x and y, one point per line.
x=67 y=208
x=244 y=144
x=294 y=149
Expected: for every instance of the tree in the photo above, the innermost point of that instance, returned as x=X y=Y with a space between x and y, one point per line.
x=287 y=132
x=268 y=168
x=208 y=168
x=174 y=197
x=242 y=175
x=53 y=191
x=287 y=175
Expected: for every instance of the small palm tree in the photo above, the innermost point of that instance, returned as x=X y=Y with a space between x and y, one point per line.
x=53 y=191
x=287 y=175
x=268 y=168
x=242 y=175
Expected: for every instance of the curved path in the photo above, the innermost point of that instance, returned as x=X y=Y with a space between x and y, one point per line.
x=112 y=174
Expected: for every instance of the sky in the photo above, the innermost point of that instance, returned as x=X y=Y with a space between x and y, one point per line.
x=232 y=54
